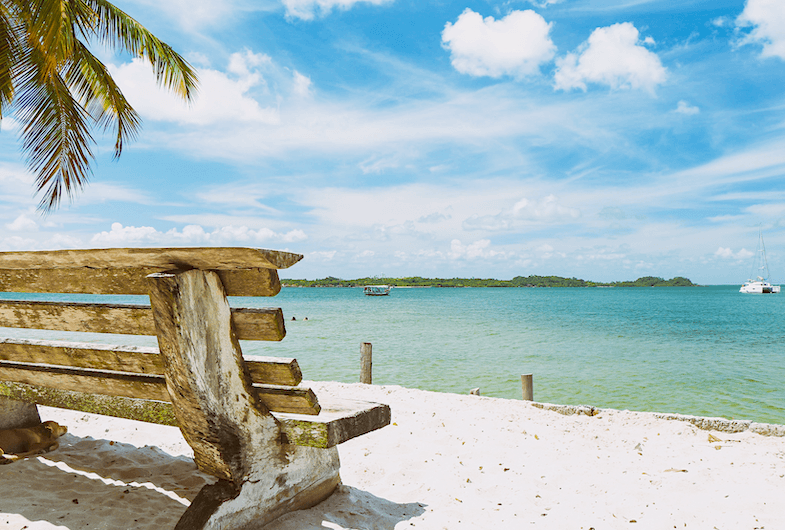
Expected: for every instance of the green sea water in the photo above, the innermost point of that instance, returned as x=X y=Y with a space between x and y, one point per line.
x=708 y=351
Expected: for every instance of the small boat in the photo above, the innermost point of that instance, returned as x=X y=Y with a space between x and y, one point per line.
x=377 y=290
x=761 y=285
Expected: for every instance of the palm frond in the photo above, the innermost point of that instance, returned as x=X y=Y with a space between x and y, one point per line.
x=9 y=49
x=59 y=90
x=55 y=134
x=120 y=31
x=93 y=86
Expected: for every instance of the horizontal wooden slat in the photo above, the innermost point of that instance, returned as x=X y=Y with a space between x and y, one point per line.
x=266 y=370
x=124 y=384
x=160 y=412
x=338 y=422
x=238 y=282
x=127 y=319
x=277 y=398
x=296 y=400
x=205 y=258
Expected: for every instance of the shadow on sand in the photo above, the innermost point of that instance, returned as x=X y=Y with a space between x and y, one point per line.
x=352 y=508
x=100 y=484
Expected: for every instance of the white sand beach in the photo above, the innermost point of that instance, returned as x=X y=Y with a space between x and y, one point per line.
x=447 y=461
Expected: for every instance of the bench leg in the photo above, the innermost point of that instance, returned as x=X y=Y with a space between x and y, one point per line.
x=16 y=414
x=266 y=494
x=234 y=437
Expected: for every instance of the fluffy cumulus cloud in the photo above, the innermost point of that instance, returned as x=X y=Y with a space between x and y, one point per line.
x=191 y=235
x=515 y=45
x=23 y=223
x=685 y=108
x=727 y=253
x=526 y=212
x=477 y=249
x=767 y=19
x=613 y=56
x=222 y=97
x=308 y=9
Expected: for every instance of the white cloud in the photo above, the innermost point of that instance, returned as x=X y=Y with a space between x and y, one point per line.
x=525 y=212
x=324 y=255
x=727 y=253
x=302 y=84
x=17 y=243
x=685 y=108
x=767 y=18
x=307 y=9
x=8 y=124
x=192 y=235
x=767 y=210
x=221 y=97
x=515 y=45
x=474 y=250
x=23 y=223
x=612 y=56
x=544 y=3
x=195 y=14
x=377 y=165
x=547 y=208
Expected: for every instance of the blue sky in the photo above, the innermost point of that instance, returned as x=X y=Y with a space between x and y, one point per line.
x=600 y=139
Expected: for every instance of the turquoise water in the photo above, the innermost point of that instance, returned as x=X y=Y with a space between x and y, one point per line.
x=704 y=351
x=709 y=351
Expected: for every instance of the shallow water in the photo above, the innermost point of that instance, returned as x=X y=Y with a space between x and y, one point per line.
x=708 y=351
x=704 y=351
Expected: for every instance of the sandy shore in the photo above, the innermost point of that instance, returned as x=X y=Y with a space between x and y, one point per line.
x=446 y=462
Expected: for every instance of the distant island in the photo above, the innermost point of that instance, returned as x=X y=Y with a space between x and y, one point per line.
x=518 y=281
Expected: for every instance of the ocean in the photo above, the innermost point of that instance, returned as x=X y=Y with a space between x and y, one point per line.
x=707 y=351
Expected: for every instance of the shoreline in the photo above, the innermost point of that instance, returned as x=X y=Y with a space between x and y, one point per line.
x=446 y=461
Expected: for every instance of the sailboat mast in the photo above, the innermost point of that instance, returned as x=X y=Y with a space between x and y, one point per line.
x=764 y=261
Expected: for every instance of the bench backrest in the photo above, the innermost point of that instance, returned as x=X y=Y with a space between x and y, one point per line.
x=32 y=369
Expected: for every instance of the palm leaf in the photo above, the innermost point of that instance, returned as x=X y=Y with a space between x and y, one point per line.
x=55 y=133
x=94 y=87
x=60 y=89
x=118 y=30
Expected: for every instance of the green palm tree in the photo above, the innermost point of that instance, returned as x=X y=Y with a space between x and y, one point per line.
x=59 y=91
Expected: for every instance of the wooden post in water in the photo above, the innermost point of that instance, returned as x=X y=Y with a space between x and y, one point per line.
x=527 y=386
x=365 y=363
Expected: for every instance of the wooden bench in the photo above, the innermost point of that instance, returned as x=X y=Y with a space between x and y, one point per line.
x=270 y=443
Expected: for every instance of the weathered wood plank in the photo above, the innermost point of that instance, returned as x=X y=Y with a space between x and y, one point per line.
x=237 y=282
x=338 y=422
x=265 y=370
x=134 y=359
x=298 y=400
x=160 y=412
x=205 y=258
x=127 y=319
x=295 y=400
x=125 y=384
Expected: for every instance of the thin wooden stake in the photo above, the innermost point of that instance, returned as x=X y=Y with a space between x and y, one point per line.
x=366 y=363
x=527 y=386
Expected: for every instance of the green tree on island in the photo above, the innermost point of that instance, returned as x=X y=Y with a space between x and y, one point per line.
x=58 y=90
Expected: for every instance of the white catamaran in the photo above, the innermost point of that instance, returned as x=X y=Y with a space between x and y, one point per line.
x=761 y=265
